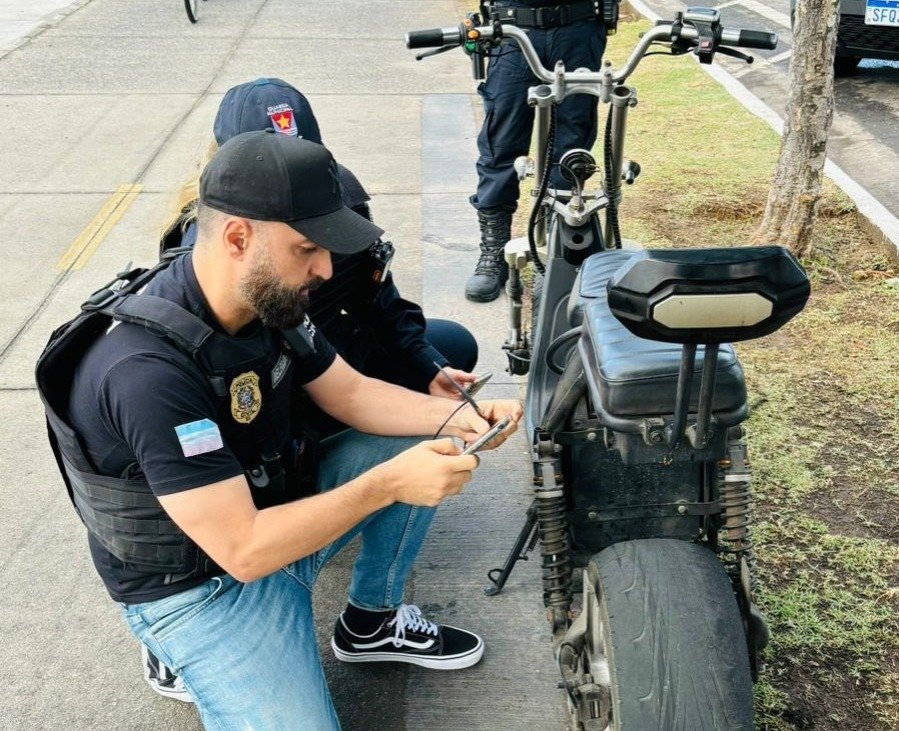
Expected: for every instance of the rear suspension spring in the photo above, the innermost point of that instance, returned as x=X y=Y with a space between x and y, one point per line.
x=735 y=538
x=552 y=529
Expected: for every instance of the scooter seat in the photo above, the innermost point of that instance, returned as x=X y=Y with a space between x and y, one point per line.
x=636 y=377
x=601 y=268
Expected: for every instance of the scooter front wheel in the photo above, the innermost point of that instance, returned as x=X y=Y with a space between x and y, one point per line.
x=664 y=641
x=190 y=6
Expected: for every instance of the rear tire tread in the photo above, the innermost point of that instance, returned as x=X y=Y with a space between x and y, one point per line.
x=677 y=650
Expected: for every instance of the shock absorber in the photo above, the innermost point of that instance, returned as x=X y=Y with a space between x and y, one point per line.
x=552 y=530
x=735 y=537
x=735 y=542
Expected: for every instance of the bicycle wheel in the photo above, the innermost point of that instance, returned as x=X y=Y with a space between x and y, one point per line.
x=191 y=7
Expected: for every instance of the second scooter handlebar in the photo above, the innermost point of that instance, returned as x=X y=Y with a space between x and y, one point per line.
x=434 y=38
x=662 y=32
x=749 y=39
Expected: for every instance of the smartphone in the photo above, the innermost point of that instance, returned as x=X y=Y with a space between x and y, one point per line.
x=478 y=444
x=478 y=384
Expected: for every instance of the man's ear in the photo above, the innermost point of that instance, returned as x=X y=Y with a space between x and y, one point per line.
x=236 y=236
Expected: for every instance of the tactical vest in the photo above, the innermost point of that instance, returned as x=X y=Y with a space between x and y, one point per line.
x=121 y=512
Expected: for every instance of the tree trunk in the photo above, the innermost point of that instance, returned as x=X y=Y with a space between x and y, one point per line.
x=796 y=188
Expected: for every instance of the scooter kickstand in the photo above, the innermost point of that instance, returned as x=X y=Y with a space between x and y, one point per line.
x=524 y=544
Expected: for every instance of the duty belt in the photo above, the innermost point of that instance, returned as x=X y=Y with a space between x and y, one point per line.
x=552 y=16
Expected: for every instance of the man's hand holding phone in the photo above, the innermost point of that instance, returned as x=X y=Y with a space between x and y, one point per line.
x=470 y=425
x=478 y=384
x=483 y=441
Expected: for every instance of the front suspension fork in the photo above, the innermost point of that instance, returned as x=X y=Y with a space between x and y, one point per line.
x=517 y=347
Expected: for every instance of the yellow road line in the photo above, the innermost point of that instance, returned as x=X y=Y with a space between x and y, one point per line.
x=89 y=240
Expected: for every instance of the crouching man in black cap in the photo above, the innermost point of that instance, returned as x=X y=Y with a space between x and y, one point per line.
x=174 y=434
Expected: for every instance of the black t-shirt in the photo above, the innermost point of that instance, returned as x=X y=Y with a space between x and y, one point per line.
x=139 y=405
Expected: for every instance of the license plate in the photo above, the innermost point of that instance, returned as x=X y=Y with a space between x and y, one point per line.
x=882 y=12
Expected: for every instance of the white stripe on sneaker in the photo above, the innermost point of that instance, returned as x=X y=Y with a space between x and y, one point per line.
x=427 y=645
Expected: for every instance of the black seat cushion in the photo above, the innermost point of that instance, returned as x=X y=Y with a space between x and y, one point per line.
x=638 y=377
x=592 y=279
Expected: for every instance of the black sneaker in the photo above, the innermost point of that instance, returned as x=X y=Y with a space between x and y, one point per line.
x=161 y=679
x=406 y=636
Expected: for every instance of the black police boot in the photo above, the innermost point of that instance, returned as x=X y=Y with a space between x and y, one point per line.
x=491 y=271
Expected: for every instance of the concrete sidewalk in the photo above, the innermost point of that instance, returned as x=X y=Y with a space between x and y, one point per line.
x=105 y=114
x=20 y=19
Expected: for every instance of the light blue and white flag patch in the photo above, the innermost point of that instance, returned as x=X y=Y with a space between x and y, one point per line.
x=199 y=437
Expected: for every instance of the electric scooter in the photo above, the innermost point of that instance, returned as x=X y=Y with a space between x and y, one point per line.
x=634 y=410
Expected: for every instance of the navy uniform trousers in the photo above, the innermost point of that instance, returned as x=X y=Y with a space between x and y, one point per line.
x=508 y=120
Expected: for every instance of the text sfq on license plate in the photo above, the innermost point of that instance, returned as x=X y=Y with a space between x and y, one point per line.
x=882 y=12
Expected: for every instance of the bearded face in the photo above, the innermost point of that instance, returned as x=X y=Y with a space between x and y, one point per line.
x=277 y=305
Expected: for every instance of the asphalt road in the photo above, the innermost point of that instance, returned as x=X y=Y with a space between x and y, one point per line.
x=864 y=138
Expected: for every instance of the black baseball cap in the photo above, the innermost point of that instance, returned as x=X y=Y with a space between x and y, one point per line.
x=273 y=177
x=262 y=104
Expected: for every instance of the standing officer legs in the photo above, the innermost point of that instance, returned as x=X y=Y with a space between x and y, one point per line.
x=505 y=135
x=579 y=45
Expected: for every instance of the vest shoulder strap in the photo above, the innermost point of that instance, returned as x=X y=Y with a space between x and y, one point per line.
x=163 y=318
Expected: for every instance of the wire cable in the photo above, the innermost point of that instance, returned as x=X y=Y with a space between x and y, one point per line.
x=541 y=193
x=613 y=186
x=443 y=425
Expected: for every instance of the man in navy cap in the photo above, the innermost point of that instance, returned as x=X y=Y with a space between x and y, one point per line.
x=177 y=442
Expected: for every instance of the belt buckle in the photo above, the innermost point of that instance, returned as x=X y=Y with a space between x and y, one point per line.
x=551 y=17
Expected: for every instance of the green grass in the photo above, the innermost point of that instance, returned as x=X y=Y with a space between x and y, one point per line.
x=824 y=391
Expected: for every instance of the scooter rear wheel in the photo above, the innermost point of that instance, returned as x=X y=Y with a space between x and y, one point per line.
x=664 y=635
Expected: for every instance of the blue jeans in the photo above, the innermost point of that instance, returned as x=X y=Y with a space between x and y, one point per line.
x=247 y=652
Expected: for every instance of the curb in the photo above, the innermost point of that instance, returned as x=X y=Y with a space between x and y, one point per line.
x=873 y=217
x=45 y=23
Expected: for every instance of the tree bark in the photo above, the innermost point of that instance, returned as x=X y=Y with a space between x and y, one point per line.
x=796 y=188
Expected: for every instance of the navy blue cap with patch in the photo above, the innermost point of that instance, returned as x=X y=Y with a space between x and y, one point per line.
x=274 y=104
x=265 y=104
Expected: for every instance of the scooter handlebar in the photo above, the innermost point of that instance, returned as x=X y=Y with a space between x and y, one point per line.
x=433 y=38
x=749 y=38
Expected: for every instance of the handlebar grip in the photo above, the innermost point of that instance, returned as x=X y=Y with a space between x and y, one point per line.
x=431 y=38
x=757 y=39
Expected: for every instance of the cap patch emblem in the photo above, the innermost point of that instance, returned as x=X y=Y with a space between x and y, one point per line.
x=283 y=119
x=246 y=398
